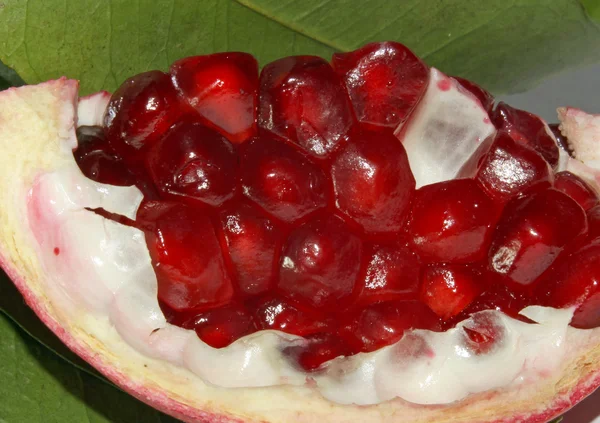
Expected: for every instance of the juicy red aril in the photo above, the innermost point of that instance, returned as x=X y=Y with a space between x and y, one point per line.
x=509 y=168
x=253 y=244
x=140 y=112
x=449 y=289
x=483 y=334
x=303 y=100
x=316 y=350
x=280 y=314
x=96 y=159
x=532 y=232
x=576 y=188
x=372 y=181
x=484 y=97
x=320 y=262
x=575 y=281
x=384 y=323
x=499 y=297
x=593 y=218
x=384 y=80
x=186 y=256
x=451 y=221
x=220 y=327
x=282 y=180
x=222 y=88
x=527 y=129
x=194 y=162
x=391 y=272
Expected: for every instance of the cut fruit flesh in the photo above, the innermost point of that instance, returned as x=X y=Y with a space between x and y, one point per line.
x=119 y=311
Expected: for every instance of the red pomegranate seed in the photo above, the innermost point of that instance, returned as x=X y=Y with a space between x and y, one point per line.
x=532 y=232
x=561 y=139
x=317 y=349
x=384 y=323
x=253 y=244
x=320 y=263
x=499 y=297
x=140 y=112
x=576 y=188
x=282 y=180
x=280 y=314
x=484 y=97
x=391 y=273
x=223 y=88
x=509 y=168
x=186 y=256
x=573 y=281
x=593 y=218
x=96 y=159
x=448 y=289
x=220 y=327
x=528 y=129
x=302 y=99
x=384 y=80
x=483 y=334
x=373 y=182
x=451 y=221
x=194 y=162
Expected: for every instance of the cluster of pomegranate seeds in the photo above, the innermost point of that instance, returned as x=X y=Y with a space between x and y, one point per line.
x=282 y=200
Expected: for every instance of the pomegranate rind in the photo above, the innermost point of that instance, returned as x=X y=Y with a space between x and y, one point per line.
x=36 y=134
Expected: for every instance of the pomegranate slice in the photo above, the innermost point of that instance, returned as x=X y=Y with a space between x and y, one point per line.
x=223 y=89
x=384 y=80
x=302 y=99
x=532 y=232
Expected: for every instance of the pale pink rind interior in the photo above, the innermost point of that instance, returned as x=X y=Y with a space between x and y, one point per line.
x=34 y=122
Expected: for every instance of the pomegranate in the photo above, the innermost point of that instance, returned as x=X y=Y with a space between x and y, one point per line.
x=363 y=241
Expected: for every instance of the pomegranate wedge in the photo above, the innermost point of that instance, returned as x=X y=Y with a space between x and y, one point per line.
x=363 y=241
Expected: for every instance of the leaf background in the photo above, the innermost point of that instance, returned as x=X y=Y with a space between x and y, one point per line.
x=505 y=45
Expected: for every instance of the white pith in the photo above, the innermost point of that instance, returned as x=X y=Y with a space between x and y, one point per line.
x=127 y=309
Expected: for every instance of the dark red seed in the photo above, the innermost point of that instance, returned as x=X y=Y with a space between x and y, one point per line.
x=253 y=244
x=220 y=327
x=280 y=314
x=316 y=350
x=563 y=142
x=303 y=100
x=282 y=180
x=593 y=218
x=509 y=168
x=532 y=232
x=528 y=129
x=484 y=97
x=448 y=289
x=140 y=112
x=576 y=188
x=373 y=182
x=320 y=263
x=574 y=281
x=391 y=272
x=186 y=257
x=97 y=160
x=194 y=162
x=483 y=334
x=451 y=221
x=384 y=323
x=223 y=89
x=500 y=297
x=384 y=80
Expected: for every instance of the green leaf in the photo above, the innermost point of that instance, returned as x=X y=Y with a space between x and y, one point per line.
x=13 y=305
x=37 y=386
x=504 y=45
x=592 y=7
